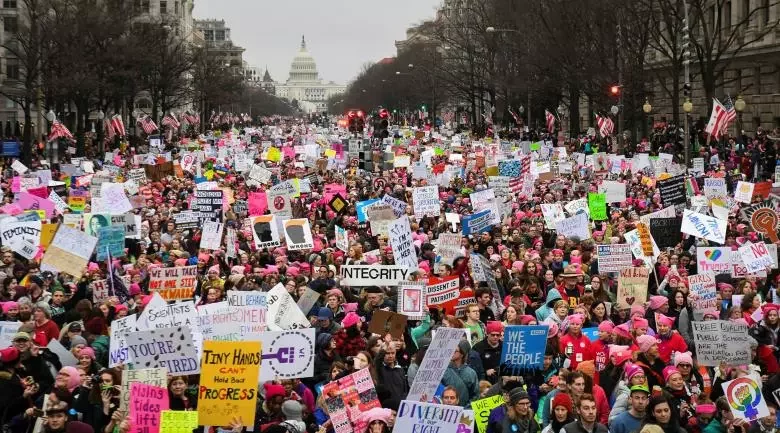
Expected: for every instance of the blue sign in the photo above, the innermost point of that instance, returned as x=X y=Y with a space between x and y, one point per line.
x=479 y=222
x=361 y=208
x=591 y=333
x=523 y=347
x=111 y=240
x=10 y=148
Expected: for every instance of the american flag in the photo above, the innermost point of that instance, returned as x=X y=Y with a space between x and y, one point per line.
x=118 y=125
x=514 y=116
x=731 y=114
x=108 y=127
x=525 y=165
x=448 y=116
x=171 y=121
x=148 y=125
x=58 y=130
x=718 y=119
x=464 y=119
x=550 y=118
x=606 y=125
x=214 y=117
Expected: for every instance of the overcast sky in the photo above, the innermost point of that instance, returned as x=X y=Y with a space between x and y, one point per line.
x=342 y=35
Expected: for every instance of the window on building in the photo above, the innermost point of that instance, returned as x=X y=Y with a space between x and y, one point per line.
x=163 y=7
x=143 y=6
x=9 y=4
x=757 y=79
x=745 y=9
x=219 y=35
x=208 y=35
x=765 y=11
x=10 y=24
x=12 y=69
x=738 y=80
x=176 y=8
x=727 y=15
x=756 y=122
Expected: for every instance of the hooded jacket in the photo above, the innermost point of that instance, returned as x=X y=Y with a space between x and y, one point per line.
x=546 y=310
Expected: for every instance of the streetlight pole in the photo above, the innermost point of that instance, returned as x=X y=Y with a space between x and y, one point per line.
x=739 y=106
x=688 y=105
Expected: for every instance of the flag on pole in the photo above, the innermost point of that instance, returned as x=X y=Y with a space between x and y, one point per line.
x=731 y=114
x=514 y=116
x=171 y=121
x=550 y=118
x=606 y=125
x=118 y=125
x=718 y=118
x=58 y=130
x=148 y=125
x=108 y=127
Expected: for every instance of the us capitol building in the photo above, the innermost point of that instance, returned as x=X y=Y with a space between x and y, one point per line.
x=304 y=84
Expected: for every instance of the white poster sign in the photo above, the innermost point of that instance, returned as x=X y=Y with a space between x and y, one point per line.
x=400 y=239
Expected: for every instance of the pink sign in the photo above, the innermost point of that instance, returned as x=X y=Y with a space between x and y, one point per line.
x=146 y=404
x=40 y=191
x=257 y=203
x=27 y=201
x=332 y=189
x=11 y=209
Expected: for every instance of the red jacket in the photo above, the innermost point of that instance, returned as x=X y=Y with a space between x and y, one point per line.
x=577 y=349
x=600 y=354
x=669 y=345
x=50 y=329
x=602 y=404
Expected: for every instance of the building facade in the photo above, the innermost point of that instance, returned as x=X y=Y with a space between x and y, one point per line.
x=219 y=44
x=304 y=84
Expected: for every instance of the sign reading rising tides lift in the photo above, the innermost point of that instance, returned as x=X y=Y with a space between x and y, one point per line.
x=370 y=275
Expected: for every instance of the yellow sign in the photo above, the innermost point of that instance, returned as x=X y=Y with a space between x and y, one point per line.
x=330 y=153
x=229 y=372
x=176 y=421
x=47 y=233
x=274 y=155
x=209 y=174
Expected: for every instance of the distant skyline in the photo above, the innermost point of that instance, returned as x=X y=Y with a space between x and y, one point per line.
x=341 y=35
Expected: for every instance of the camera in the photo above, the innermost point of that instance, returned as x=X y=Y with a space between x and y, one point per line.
x=95 y=379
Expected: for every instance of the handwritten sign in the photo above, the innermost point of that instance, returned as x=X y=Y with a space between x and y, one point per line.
x=702 y=294
x=228 y=381
x=721 y=341
x=150 y=376
x=435 y=363
x=632 y=286
x=174 y=283
x=415 y=416
x=171 y=348
x=178 y=421
x=400 y=239
x=482 y=410
x=146 y=404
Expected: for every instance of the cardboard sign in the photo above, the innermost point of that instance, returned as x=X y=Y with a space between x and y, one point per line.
x=146 y=404
x=387 y=322
x=645 y=239
x=721 y=341
x=400 y=239
x=69 y=251
x=171 y=348
x=523 y=348
x=151 y=376
x=435 y=363
x=702 y=295
x=672 y=190
x=174 y=283
x=666 y=231
x=703 y=226
x=632 y=287
x=287 y=354
x=228 y=381
x=744 y=397
x=426 y=201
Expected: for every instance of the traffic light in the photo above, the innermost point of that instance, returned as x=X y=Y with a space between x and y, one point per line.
x=356 y=121
x=687 y=89
x=380 y=129
x=614 y=90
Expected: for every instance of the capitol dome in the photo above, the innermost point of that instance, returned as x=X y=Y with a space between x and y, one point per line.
x=303 y=68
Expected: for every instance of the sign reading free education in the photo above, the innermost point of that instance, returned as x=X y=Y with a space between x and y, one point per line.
x=523 y=347
x=372 y=275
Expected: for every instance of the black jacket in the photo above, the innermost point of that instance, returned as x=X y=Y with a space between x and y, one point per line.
x=576 y=427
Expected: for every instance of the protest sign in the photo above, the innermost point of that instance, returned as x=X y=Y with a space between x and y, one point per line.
x=715 y=187
x=666 y=231
x=113 y=197
x=111 y=243
x=69 y=251
x=27 y=201
x=411 y=296
x=744 y=397
x=265 y=231
x=756 y=257
x=523 y=348
x=613 y=258
x=486 y=199
x=171 y=348
x=667 y=212
x=399 y=206
x=632 y=287
x=178 y=421
x=434 y=364
x=287 y=354
x=283 y=312
x=7 y=332
x=482 y=410
x=577 y=206
x=597 y=204
x=448 y=246
x=164 y=315
x=713 y=259
x=347 y=398
x=307 y=300
x=187 y=220
x=208 y=204
x=118 y=353
x=702 y=295
x=387 y=322
x=426 y=201
x=14 y=232
x=416 y=416
x=373 y=275
x=576 y=226
x=297 y=234
x=146 y=403
x=65 y=356
x=230 y=323
x=744 y=192
x=129 y=222
x=552 y=214
x=645 y=239
x=342 y=239
x=151 y=376
x=703 y=226
x=721 y=341
x=228 y=381
x=614 y=192
x=672 y=190
x=379 y=217
x=158 y=172
x=477 y=222
x=174 y=283
x=442 y=290
x=211 y=236
x=361 y=207
x=400 y=240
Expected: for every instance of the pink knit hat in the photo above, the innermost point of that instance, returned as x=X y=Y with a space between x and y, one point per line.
x=630 y=370
x=645 y=342
x=350 y=319
x=619 y=354
x=639 y=323
x=87 y=351
x=74 y=378
x=606 y=326
x=683 y=358
x=670 y=371
x=637 y=309
x=657 y=302
x=662 y=319
x=622 y=330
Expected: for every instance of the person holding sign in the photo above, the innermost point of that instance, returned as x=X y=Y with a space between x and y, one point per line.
x=576 y=346
x=669 y=341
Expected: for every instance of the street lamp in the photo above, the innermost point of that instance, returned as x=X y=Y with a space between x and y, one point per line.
x=687 y=108
x=100 y=116
x=647 y=108
x=739 y=105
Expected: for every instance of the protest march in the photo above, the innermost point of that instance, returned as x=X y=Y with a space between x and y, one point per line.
x=283 y=276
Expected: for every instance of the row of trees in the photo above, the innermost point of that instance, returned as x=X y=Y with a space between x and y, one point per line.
x=86 y=56
x=550 y=53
